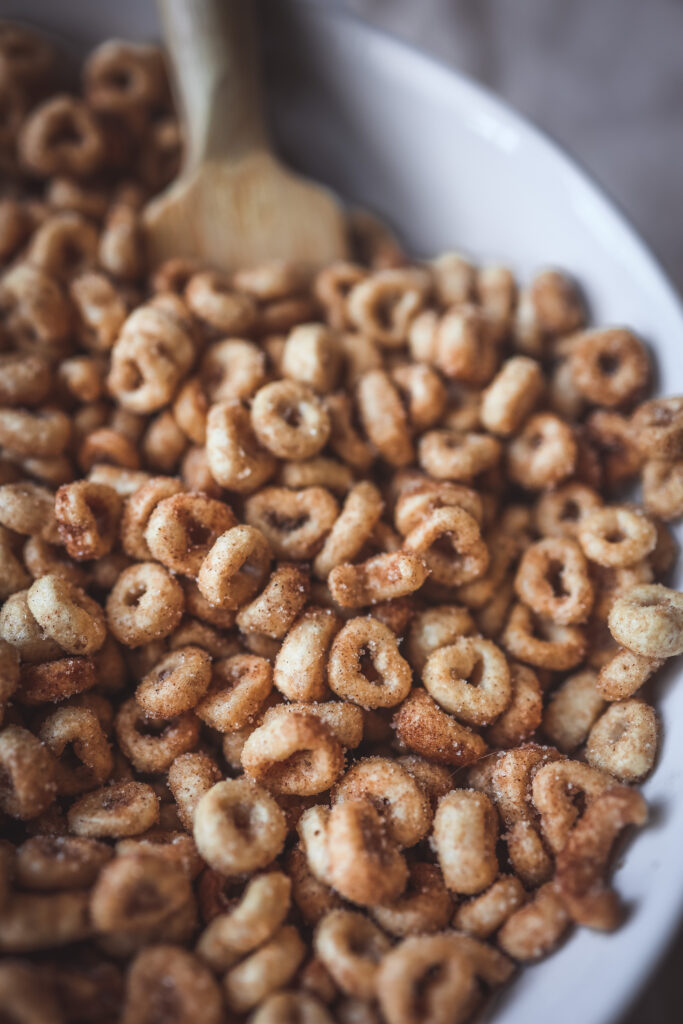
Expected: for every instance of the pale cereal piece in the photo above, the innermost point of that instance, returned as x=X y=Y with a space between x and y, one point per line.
x=648 y=620
x=464 y=838
x=624 y=740
x=536 y=928
x=572 y=710
x=485 y=914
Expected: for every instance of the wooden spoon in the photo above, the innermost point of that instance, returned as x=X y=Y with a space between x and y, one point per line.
x=234 y=204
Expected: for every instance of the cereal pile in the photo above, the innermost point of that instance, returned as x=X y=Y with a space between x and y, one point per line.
x=325 y=618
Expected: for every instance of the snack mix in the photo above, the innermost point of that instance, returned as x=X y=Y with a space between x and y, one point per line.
x=327 y=625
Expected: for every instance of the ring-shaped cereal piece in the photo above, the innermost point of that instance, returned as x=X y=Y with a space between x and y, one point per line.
x=124 y=79
x=610 y=366
x=523 y=715
x=76 y=732
x=28 y=774
x=383 y=577
x=648 y=620
x=424 y=495
x=623 y=741
x=662 y=483
x=483 y=915
x=408 y=995
x=365 y=866
x=137 y=510
x=266 y=969
x=424 y=393
x=383 y=417
x=657 y=428
x=49 y=862
x=54 y=681
x=151 y=355
x=365 y=666
x=560 y=512
x=211 y=298
x=434 y=628
x=235 y=567
x=300 y=671
x=294 y=522
x=289 y=420
x=424 y=907
x=383 y=304
x=464 y=838
x=470 y=679
x=19 y=629
x=536 y=927
x=119 y=809
x=146 y=603
x=425 y=729
x=351 y=947
x=624 y=673
x=87 y=518
x=132 y=893
x=232 y=369
x=543 y=454
x=189 y=778
x=557 y=647
x=511 y=395
x=67 y=615
x=343 y=720
x=295 y=754
x=345 y=440
x=552 y=579
x=452 y=527
x=352 y=528
x=313 y=356
x=61 y=136
x=235 y=456
x=182 y=529
x=457 y=455
x=572 y=710
x=176 y=683
x=556 y=790
x=399 y=799
x=261 y=910
x=274 y=610
x=616 y=536
x=238 y=827
x=169 y=976
x=150 y=745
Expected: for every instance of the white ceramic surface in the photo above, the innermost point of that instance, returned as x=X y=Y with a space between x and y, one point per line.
x=452 y=167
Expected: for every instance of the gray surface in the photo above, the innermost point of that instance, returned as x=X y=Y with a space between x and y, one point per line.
x=605 y=78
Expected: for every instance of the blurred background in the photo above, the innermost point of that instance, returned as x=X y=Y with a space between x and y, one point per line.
x=605 y=79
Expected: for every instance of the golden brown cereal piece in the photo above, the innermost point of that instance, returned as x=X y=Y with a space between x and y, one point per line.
x=87 y=517
x=289 y=420
x=345 y=440
x=511 y=395
x=558 y=791
x=25 y=996
x=294 y=522
x=55 y=681
x=424 y=907
x=320 y=471
x=36 y=312
x=610 y=366
x=76 y=739
x=132 y=892
x=66 y=614
x=169 y=977
x=182 y=529
x=165 y=844
x=361 y=512
x=559 y=647
x=119 y=809
x=422 y=495
x=426 y=978
x=300 y=670
x=423 y=392
x=624 y=673
x=28 y=773
x=483 y=915
x=612 y=435
x=434 y=628
x=294 y=754
x=383 y=417
x=457 y=455
x=470 y=679
x=269 y=968
x=582 y=863
x=464 y=838
x=543 y=454
x=235 y=567
x=40 y=921
x=61 y=136
x=287 y=1006
x=238 y=827
x=150 y=356
x=552 y=579
x=351 y=947
x=312 y=355
x=239 y=687
x=190 y=776
x=572 y=710
x=343 y=720
x=663 y=488
x=154 y=751
x=397 y=796
x=536 y=928
x=255 y=919
x=648 y=620
x=365 y=666
x=452 y=527
x=658 y=428
x=209 y=296
x=381 y=578
x=236 y=458
x=28 y=508
x=24 y=379
x=146 y=603
x=274 y=610
x=462 y=345
x=383 y=304
x=427 y=730
x=175 y=684
x=617 y=536
x=124 y=78
x=365 y=865
x=523 y=714
x=623 y=741
x=19 y=629
x=42 y=433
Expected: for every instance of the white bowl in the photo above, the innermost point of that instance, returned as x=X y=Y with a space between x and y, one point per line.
x=451 y=166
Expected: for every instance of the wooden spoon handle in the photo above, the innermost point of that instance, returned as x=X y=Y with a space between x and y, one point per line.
x=212 y=45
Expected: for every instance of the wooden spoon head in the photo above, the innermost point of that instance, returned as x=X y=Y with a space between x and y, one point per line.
x=238 y=213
